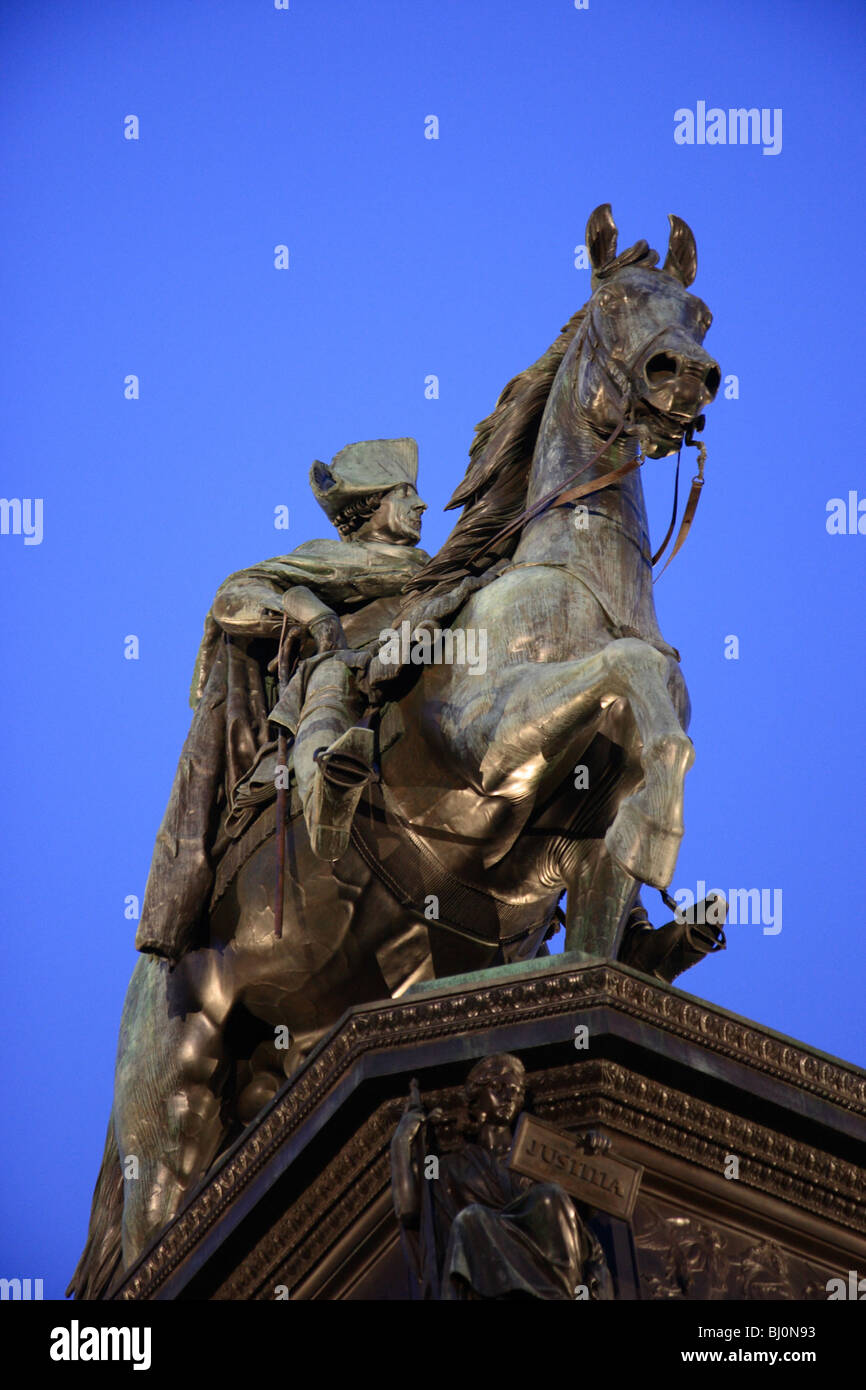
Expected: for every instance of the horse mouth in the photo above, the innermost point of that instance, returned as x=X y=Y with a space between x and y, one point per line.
x=660 y=432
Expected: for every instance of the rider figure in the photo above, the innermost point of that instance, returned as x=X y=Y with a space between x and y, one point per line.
x=368 y=493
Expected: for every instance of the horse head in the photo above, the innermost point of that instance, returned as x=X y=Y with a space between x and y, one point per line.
x=638 y=355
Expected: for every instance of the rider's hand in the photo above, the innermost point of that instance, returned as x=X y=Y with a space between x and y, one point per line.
x=328 y=634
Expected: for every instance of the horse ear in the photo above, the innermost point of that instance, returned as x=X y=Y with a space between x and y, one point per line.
x=601 y=237
x=682 y=257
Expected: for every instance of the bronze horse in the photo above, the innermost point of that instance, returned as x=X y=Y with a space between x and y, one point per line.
x=460 y=854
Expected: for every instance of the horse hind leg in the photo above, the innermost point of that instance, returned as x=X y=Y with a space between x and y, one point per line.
x=171 y=1070
x=601 y=895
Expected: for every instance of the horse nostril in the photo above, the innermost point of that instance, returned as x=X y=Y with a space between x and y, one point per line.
x=660 y=368
x=713 y=379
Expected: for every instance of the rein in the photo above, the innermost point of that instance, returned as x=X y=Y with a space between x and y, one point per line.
x=287 y=653
x=694 y=498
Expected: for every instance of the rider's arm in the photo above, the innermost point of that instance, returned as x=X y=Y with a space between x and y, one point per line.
x=305 y=584
x=247 y=606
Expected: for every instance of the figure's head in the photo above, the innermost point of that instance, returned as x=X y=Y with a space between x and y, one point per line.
x=640 y=354
x=393 y=516
x=495 y=1090
x=368 y=491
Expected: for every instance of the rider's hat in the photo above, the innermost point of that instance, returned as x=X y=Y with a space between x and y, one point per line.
x=375 y=465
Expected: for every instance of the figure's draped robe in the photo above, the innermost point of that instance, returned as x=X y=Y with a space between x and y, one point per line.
x=504 y=1235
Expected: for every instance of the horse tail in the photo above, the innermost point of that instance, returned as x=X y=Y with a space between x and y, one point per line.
x=100 y=1261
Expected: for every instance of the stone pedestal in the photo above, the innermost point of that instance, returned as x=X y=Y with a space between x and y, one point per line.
x=300 y=1207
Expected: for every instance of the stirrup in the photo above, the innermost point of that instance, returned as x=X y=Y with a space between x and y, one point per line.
x=344 y=768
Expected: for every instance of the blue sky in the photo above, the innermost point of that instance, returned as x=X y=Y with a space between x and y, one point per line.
x=408 y=256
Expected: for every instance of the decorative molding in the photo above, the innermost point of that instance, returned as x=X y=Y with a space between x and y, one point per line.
x=313 y=1225
x=702 y=1134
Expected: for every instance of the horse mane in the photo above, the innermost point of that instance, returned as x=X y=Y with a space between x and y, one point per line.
x=493 y=491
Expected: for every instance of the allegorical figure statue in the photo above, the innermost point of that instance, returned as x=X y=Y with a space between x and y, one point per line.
x=228 y=763
x=477 y=1229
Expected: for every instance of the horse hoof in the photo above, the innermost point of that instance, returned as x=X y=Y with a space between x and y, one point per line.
x=642 y=847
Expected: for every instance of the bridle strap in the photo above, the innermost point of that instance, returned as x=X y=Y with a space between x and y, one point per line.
x=596 y=484
x=664 y=545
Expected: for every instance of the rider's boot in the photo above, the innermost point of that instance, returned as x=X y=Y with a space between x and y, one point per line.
x=333 y=758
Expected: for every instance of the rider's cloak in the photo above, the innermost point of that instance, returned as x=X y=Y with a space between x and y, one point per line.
x=232 y=697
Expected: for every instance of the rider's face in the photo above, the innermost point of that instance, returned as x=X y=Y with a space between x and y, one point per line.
x=398 y=517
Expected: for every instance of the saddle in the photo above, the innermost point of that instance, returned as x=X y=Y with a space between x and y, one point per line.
x=399 y=858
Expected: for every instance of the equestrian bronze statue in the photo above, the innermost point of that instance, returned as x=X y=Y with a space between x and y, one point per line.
x=398 y=765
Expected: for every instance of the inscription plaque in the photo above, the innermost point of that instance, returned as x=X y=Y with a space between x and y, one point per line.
x=548 y=1154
